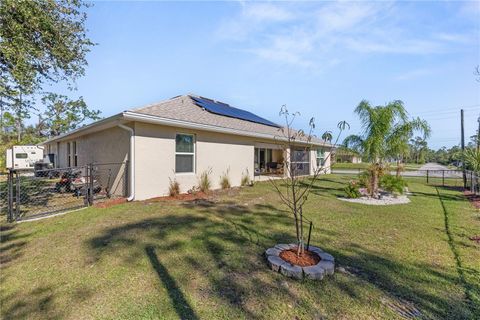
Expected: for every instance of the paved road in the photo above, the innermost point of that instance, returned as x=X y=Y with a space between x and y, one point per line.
x=432 y=166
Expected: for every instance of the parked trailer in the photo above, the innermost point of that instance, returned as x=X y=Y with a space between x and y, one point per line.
x=24 y=157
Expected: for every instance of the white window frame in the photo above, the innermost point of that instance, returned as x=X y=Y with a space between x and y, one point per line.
x=322 y=158
x=186 y=153
x=307 y=163
x=75 y=153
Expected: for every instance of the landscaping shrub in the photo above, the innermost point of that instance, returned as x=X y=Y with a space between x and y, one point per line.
x=204 y=183
x=225 y=180
x=173 y=188
x=393 y=184
x=352 y=190
x=245 y=179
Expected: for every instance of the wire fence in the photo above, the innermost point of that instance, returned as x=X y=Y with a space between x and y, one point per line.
x=469 y=180
x=31 y=194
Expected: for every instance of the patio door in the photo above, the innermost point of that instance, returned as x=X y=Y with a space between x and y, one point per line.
x=262 y=157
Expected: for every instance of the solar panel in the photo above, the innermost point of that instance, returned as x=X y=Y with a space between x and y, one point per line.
x=224 y=109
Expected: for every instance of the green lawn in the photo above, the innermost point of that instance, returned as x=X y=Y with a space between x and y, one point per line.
x=365 y=165
x=203 y=260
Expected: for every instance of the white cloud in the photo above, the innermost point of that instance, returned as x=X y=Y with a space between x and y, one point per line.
x=309 y=34
x=266 y=12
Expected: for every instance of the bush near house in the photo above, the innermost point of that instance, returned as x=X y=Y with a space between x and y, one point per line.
x=173 y=188
x=352 y=190
x=204 y=183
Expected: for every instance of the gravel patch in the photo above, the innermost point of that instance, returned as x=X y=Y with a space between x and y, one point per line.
x=383 y=201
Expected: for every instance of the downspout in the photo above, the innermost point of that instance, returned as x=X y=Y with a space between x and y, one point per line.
x=131 y=158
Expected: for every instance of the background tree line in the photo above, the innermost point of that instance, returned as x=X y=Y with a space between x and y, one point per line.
x=42 y=42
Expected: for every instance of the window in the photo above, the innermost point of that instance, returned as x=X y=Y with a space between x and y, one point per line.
x=21 y=156
x=75 y=158
x=185 y=153
x=69 y=155
x=300 y=161
x=320 y=158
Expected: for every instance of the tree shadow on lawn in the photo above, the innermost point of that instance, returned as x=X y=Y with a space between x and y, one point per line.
x=181 y=305
x=228 y=261
x=406 y=282
x=12 y=242
x=38 y=303
x=237 y=272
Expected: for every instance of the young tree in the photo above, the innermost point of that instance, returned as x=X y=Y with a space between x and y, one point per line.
x=63 y=115
x=294 y=189
x=386 y=131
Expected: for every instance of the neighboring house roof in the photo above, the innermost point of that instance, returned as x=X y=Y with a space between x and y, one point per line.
x=183 y=111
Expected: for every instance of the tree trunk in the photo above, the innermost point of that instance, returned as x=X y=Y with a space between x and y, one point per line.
x=375 y=181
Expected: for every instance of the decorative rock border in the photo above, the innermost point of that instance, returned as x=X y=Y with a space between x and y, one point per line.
x=326 y=265
x=384 y=201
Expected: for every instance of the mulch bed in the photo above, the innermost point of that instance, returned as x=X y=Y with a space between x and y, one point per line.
x=305 y=260
x=181 y=197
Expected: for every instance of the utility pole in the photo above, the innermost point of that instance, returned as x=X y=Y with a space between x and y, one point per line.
x=463 y=149
x=478 y=135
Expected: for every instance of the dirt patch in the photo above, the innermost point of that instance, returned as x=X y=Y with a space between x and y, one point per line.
x=110 y=203
x=473 y=198
x=305 y=260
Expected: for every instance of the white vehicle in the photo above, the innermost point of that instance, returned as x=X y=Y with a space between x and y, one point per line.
x=24 y=157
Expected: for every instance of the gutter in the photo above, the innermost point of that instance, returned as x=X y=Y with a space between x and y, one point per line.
x=131 y=158
x=140 y=117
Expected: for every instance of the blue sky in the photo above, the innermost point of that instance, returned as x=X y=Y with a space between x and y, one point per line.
x=318 y=58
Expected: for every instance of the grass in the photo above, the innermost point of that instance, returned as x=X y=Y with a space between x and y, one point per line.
x=365 y=165
x=203 y=260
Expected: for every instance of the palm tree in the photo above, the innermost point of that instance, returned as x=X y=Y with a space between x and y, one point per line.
x=386 y=132
x=472 y=159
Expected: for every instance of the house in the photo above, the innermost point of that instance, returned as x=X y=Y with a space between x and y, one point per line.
x=179 y=139
x=342 y=156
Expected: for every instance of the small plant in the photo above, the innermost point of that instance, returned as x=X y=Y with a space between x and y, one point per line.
x=225 y=180
x=204 y=183
x=245 y=179
x=393 y=184
x=352 y=190
x=173 y=187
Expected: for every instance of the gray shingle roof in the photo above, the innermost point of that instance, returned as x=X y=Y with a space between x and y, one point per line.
x=184 y=108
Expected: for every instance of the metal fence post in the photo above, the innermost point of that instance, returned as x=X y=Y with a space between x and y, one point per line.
x=90 y=187
x=443 y=178
x=427 y=176
x=472 y=188
x=10 y=196
x=18 y=196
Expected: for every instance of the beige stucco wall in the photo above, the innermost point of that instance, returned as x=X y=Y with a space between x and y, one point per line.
x=155 y=156
x=107 y=148
x=155 y=159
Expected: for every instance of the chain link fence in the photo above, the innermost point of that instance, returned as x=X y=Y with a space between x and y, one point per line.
x=32 y=194
x=447 y=178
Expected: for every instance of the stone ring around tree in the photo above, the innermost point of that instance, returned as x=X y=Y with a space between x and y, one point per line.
x=316 y=267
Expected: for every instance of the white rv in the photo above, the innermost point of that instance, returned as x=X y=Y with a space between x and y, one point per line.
x=24 y=157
